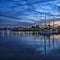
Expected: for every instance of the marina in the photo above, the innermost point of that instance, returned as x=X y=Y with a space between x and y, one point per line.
x=30 y=44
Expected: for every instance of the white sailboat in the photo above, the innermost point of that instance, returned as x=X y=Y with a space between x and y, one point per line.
x=46 y=31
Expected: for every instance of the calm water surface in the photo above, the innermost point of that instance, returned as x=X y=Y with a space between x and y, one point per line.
x=28 y=46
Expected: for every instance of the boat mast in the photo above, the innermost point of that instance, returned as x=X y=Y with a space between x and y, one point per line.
x=45 y=20
x=53 y=21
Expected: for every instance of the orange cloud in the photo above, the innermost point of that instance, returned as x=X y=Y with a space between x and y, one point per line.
x=56 y=23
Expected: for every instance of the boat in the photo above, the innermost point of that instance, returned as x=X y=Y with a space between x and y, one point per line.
x=45 y=32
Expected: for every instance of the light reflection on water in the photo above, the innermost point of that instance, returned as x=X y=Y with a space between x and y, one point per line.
x=43 y=45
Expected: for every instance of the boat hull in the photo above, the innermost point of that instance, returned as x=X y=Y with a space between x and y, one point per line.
x=45 y=33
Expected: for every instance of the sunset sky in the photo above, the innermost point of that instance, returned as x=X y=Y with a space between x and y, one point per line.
x=29 y=12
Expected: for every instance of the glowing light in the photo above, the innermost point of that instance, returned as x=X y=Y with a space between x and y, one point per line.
x=56 y=23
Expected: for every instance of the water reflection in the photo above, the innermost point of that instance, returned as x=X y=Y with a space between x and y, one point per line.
x=43 y=45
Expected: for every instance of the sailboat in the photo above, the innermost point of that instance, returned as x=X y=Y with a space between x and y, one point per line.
x=45 y=31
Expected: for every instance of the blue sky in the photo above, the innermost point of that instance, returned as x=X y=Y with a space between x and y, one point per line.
x=26 y=12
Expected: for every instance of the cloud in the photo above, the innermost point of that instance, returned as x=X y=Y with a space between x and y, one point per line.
x=29 y=11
